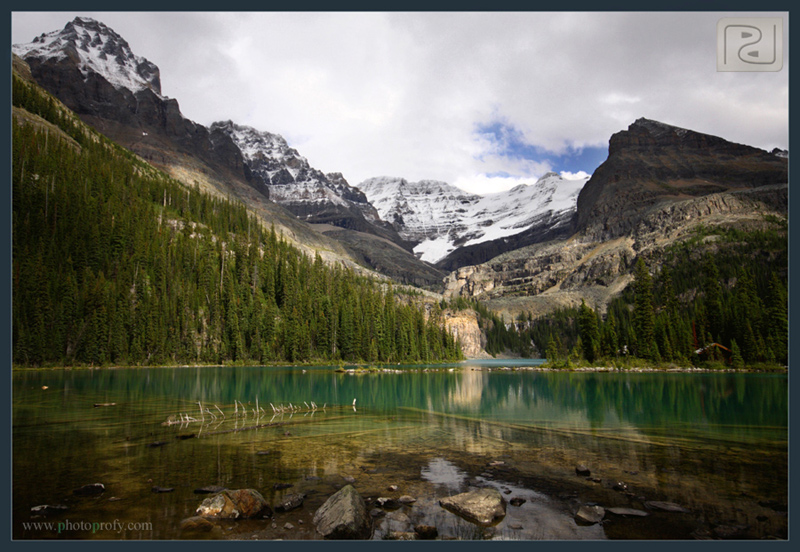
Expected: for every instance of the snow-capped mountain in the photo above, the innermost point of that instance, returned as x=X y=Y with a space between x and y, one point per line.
x=442 y=218
x=94 y=47
x=288 y=177
x=420 y=210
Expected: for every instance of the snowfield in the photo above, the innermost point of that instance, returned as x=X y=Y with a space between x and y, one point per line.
x=442 y=217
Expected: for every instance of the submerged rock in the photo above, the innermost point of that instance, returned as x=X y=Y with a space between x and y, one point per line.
x=517 y=501
x=406 y=499
x=280 y=486
x=199 y=527
x=163 y=489
x=290 y=502
x=481 y=506
x=48 y=509
x=628 y=512
x=426 y=532
x=580 y=469
x=211 y=489
x=401 y=535
x=387 y=502
x=665 y=506
x=590 y=514
x=241 y=503
x=93 y=489
x=343 y=516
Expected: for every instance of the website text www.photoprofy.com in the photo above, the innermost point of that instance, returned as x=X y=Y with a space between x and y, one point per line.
x=75 y=528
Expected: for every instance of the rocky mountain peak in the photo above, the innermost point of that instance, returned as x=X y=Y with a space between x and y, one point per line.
x=653 y=163
x=440 y=218
x=93 y=47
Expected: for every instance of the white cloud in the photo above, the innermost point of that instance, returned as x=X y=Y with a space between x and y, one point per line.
x=398 y=93
x=580 y=175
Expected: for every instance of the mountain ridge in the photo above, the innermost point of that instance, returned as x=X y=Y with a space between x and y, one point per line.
x=153 y=127
x=442 y=219
x=652 y=174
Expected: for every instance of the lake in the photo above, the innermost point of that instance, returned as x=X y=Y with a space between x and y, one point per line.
x=704 y=455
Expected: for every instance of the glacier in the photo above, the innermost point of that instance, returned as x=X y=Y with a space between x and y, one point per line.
x=442 y=218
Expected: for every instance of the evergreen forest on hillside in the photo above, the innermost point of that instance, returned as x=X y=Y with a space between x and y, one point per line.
x=116 y=263
x=716 y=299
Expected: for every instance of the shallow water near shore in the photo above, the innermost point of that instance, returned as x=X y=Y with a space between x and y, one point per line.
x=714 y=444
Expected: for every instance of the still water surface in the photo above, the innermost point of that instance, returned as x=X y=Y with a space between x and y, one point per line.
x=716 y=444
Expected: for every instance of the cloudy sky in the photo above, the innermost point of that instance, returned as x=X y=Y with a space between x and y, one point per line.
x=483 y=101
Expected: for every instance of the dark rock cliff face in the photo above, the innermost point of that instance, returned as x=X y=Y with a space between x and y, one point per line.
x=653 y=163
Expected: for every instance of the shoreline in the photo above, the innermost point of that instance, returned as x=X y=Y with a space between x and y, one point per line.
x=451 y=365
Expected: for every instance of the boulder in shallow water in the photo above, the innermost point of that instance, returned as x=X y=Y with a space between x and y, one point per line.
x=590 y=514
x=481 y=506
x=238 y=504
x=343 y=516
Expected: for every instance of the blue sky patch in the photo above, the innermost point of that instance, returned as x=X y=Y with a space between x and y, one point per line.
x=508 y=141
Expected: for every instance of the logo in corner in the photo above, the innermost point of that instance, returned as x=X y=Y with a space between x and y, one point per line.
x=750 y=44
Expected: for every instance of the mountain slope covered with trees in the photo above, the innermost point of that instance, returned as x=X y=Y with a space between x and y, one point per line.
x=116 y=263
x=718 y=298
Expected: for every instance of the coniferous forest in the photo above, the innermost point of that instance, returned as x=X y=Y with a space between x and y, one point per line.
x=718 y=298
x=116 y=263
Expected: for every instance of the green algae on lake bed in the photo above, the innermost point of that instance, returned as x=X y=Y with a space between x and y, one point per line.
x=714 y=443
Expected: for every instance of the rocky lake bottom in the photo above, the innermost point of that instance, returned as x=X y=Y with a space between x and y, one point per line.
x=559 y=466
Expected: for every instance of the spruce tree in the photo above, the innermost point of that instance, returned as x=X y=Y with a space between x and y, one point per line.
x=644 y=312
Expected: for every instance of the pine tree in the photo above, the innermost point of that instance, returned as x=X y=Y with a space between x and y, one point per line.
x=644 y=312
x=589 y=334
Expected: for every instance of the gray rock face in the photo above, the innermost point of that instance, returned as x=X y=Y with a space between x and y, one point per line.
x=481 y=506
x=343 y=516
x=238 y=504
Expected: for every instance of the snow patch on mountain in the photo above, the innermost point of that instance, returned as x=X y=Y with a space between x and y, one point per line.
x=441 y=217
x=95 y=48
x=289 y=176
